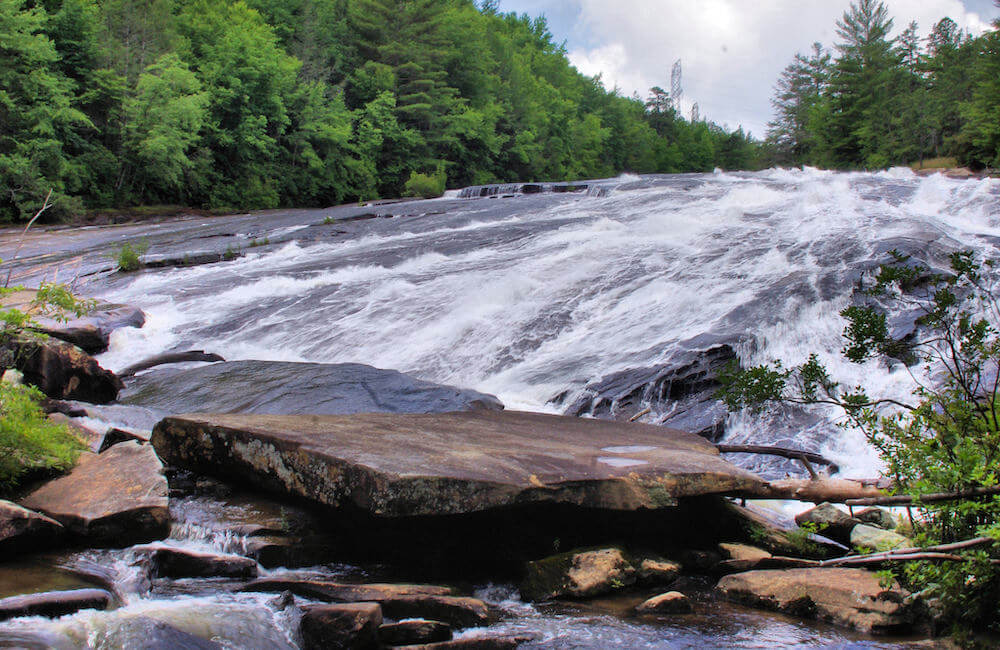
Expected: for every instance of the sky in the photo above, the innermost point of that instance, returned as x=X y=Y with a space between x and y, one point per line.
x=731 y=51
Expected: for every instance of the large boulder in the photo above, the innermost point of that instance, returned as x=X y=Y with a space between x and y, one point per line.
x=23 y=530
x=63 y=371
x=849 y=597
x=54 y=603
x=117 y=498
x=578 y=574
x=282 y=388
x=452 y=463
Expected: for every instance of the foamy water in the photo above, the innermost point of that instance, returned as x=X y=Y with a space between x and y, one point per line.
x=528 y=297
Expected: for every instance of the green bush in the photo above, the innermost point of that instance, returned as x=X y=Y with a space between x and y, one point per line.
x=946 y=439
x=127 y=256
x=30 y=442
x=426 y=186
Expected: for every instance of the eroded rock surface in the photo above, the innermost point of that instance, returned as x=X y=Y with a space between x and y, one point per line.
x=850 y=597
x=63 y=371
x=116 y=498
x=452 y=463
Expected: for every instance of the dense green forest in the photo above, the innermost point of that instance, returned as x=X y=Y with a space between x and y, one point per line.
x=879 y=100
x=266 y=103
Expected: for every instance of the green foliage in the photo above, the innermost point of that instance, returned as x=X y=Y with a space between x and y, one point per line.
x=30 y=442
x=128 y=256
x=887 y=99
x=424 y=185
x=244 y=104
x=801 y=538
x=946 y=440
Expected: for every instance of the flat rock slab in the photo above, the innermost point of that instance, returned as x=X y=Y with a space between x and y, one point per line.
x=284 y=388
x=344 y=593
x=452 y=463
x=170 y=562
x=849 y=597
x=54 y=603
x=117 y=498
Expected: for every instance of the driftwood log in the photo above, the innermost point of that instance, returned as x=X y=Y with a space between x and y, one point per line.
x=937 y=497
x=170 y=357
x=939 y=553
x=833 y=490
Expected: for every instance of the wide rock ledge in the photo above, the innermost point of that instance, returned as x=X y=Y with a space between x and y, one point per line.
x=116 y=498
x=452 y=463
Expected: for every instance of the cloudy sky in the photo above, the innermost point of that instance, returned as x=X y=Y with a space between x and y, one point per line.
x=732 y=51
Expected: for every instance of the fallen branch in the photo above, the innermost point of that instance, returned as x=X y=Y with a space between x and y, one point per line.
x=905 y=500
x=816 y=491
x=645 y=411
x=939 y=553
x=794 y=454
x=45 y=206
x=170 y=357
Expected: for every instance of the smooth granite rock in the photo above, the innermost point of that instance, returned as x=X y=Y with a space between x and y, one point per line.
x=117 y=498
x=850 y=597
x=452 y=463
x=283 y=388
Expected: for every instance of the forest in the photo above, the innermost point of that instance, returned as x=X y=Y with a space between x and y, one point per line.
x=878 y=100
x=266 y=103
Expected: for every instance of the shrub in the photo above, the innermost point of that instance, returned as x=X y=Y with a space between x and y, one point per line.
x=30 y=442
x=946 y=439
x=128 y=256
x=426 y=186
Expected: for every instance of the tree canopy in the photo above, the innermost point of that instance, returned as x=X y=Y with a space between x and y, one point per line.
x=265 y=103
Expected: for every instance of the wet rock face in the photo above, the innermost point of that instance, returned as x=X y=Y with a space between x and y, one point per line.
x=849 y=597
x=117 y=498
x=685 y=388
x=672 y=602
x=414 y=632
x=454 y=463
x=352 y=625
x=54 y=603
x=169 y=562
x=92 y=332
x=280 y=388
x=63 y=371
x=581 y=574
x=23 y=530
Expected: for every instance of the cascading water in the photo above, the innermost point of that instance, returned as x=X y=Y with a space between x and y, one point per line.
x=543 y=299
x=537 y=296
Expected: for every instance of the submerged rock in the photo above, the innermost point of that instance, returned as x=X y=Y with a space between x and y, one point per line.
x=850 y=597
x=672 y=602
x=353 y=625
x=117 y=498
x=578 y=574
x=23 y=530
x=63 y=371
x=437 y=464
x=54 y=603
x=281 y=388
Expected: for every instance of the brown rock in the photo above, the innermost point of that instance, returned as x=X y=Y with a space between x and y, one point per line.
x=457 y=611
x=658 y=571
x=54 y=603
x=169 y=562
x=114 y=436
x=117 y=498
x=22 y=530
x=742 y=552
x=476 y=643
x=63 y=371
x=351 y=626
x=414 y=632
x=480 y=460
x=672 y=602
x=578 y=574
x=848 y=597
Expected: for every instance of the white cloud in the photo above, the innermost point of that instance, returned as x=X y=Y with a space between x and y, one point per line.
x=732 y=50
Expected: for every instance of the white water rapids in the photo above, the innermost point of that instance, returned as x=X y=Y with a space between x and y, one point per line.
x=527 y=297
